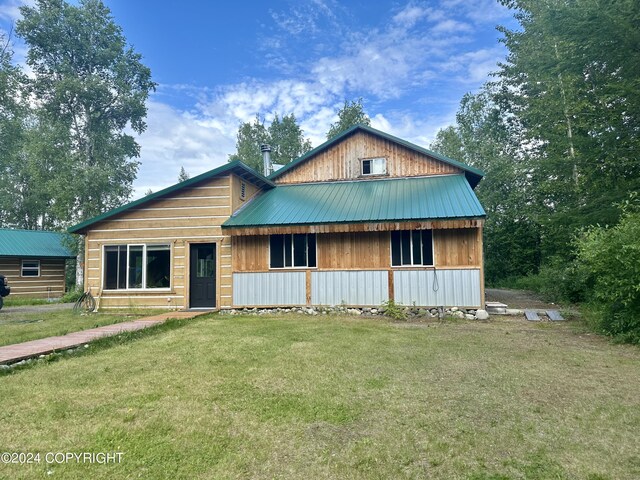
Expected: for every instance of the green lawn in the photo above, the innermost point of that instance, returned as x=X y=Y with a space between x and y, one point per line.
x=335 y=397
x=17 y=327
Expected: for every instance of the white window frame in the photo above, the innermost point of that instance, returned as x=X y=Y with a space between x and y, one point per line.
x=29 y=269
x=293 y=267
x=144 y=269
x=373 y=161
x=412 y=265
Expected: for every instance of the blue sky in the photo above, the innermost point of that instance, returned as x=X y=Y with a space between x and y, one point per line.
x=219 y=63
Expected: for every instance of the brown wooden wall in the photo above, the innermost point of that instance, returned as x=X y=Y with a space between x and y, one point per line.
x=459 y=247
x=50 y=283
x=453 y=248
x=342 y=161
x=192 y=215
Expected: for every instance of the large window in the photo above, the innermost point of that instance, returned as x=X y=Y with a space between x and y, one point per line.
x=292 y=250
x=137 y=266
x=411 y=247
x=30 y=268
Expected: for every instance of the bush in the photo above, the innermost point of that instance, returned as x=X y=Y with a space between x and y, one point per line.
x=71 y=296
x=394 y=310
x=611 y=256
x=557 y=281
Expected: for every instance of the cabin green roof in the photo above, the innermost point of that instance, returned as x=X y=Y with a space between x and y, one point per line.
x=33 y=243
x=236 y=167
x=474 y=175
x=436 y=197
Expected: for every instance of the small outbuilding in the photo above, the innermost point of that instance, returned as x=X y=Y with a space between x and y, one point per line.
x=34 y=262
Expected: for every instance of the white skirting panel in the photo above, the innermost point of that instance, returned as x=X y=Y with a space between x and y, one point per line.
x=367 y=287
x=429 y=288
x=269 y=289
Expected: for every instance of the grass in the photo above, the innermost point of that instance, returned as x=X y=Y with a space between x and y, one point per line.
x=17 y=327
x=22 y=301
x=334 y=397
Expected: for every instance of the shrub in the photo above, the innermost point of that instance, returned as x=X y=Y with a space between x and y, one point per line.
x=394 y=310
x=71 y=296
x=611 y=256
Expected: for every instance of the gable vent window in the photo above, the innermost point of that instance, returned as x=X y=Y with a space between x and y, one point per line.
x=30 y=268
x=292 y=250
x=243 y=191
x=374 y=166
x=411 y=247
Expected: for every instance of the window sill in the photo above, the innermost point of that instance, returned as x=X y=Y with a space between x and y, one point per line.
x=423 y=267
x=139 y=290
x=290 y=269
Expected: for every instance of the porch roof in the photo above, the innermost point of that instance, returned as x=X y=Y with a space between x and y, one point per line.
x=436 y=197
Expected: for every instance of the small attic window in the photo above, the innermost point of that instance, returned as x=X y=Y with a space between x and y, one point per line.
x=374 y=166
x=243 y=191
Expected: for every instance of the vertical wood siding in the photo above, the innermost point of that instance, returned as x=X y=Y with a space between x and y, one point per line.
x=50 y=283
x=363 y=250
x=342 y=161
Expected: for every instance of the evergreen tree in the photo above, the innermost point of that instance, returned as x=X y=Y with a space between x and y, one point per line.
x=183 y=176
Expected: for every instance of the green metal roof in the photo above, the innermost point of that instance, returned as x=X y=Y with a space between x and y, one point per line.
x=33 y=243
x=398 y=199
x=474 y=175
x=236 y=167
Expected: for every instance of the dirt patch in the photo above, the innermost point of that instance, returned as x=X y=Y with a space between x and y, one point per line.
x=518 y=299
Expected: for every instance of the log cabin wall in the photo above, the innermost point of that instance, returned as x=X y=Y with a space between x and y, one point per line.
x=49 y=284
x=343 y=161
x=179 y=219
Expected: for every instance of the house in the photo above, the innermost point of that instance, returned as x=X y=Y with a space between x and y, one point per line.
x=361 y=219
x=34 y=262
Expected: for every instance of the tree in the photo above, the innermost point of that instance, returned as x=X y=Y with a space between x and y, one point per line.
x=12 y=133
x=183 y=176
x=351 y=114
x=285 y=137
x=482 y=138
x=570 y=78
x=88 y=87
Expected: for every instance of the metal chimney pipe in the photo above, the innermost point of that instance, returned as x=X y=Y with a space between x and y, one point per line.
x=266 y=159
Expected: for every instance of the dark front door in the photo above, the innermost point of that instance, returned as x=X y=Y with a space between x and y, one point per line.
x=202 y=278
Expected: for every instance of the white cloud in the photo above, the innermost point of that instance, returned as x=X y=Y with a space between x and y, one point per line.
x=10 y=9
x=424 y=58
x=176 y=139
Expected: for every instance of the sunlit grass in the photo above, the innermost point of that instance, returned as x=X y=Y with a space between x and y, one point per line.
x=335 y=397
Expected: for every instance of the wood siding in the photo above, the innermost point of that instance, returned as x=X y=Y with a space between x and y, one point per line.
x=343 y=161
x=236 y=189
x=348 y=251
x=50 y=283
x=193 y=215
x=459 y=247
x=456 y=248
